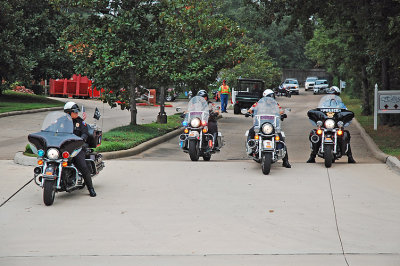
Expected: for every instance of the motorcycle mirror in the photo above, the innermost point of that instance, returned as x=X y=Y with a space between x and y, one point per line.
x=178 y=109
x=288 y=109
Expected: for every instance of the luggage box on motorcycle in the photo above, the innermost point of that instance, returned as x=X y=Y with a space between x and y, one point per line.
x=94 y=139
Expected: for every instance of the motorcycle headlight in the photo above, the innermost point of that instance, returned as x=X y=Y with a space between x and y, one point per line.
x=329 y=123
x=195 y=122
x=267 y=128
x=53 y=153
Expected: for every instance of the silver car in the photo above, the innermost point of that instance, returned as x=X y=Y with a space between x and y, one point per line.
x=321 y=86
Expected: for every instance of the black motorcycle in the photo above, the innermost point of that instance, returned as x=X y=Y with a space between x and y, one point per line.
x=330 y=138
x=267 y=145
x=56 y=145
x=196 y=140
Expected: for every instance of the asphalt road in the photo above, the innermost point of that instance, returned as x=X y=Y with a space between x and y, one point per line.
x=159 y=208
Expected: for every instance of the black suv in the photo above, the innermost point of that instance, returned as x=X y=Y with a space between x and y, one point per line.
x=249 y=91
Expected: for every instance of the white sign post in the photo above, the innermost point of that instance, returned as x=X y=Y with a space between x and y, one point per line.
x=385 y=102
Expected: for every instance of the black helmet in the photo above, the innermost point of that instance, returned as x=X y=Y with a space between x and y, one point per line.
x=202 y=93
x=71 y=107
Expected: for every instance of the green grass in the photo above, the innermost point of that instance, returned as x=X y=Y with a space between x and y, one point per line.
x=126 y=137
x=14 y=101
x=387 y=138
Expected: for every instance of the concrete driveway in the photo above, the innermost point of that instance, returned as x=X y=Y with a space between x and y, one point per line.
x=160 y=208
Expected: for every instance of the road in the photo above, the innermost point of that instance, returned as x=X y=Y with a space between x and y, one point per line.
x=159 y=208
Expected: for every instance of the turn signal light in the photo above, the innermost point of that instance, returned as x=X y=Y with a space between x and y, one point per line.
x=65 y=155
x=205 y=130
x=40 y=162
x=319 y=131
x=65 y=164
x=186 y=131
x=277 y=138
x=257 y=137
x=340 y=132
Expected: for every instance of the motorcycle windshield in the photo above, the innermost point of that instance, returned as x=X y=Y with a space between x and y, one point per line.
x=58 y=122
x=267 y=110
x=331 y=102
x=197 y=107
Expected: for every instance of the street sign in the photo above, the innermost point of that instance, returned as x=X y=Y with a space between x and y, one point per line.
x=385 y=102
x=389 y=102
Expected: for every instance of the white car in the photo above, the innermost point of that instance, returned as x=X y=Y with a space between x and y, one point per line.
x=292 y=85
x=309 y=84
x=321 y=86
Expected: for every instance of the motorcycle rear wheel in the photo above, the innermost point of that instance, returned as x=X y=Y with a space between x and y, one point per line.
x=49 y=192
x=194 y=150
x=266 y=162
x=328 y=156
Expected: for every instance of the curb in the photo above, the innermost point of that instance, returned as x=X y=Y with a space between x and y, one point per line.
x=390 y=161
x=22 y=159
x=141 y=147
x=31 y=111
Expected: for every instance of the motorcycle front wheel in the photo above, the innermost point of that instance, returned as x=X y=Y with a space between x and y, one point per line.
x=328 y=156
x=194 y=150
x=266 y=162
x=49 y=192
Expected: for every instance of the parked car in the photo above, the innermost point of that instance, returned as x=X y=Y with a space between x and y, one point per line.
x=321 y=86
x=291 y=84
x=249 y=91
x=310 y=82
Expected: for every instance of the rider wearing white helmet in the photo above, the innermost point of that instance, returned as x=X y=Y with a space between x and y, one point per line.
x=81 y=130
x=251 y=134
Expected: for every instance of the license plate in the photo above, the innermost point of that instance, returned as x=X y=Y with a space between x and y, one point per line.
x=193 y=134
x=268 y=144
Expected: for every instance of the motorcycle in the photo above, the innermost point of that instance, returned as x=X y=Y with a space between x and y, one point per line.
x=196 y=140
x=216 y=96
x=331 y=117
x=56 y=145
x=268 y=144
x=283 y=91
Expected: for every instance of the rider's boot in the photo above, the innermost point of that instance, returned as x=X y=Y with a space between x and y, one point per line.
x=350 y=158
x=312 y=158
x=286 y=161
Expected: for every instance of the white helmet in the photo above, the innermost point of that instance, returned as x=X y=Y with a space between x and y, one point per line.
x=71 y=107
x=269 y=93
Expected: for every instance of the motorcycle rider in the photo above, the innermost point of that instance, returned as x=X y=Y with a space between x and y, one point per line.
x=342 y=143
x=212 y=120
x=252 y=133
x=81 y=130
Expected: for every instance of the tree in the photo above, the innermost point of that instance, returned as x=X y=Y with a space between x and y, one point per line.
x=29 y=32
x=258 y=65
x=130 y=43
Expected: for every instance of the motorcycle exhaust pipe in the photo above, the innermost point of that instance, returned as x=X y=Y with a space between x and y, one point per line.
x=252 y=143
x=314 y=138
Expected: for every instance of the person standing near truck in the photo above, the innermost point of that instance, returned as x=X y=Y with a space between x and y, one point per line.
x=224 y=91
